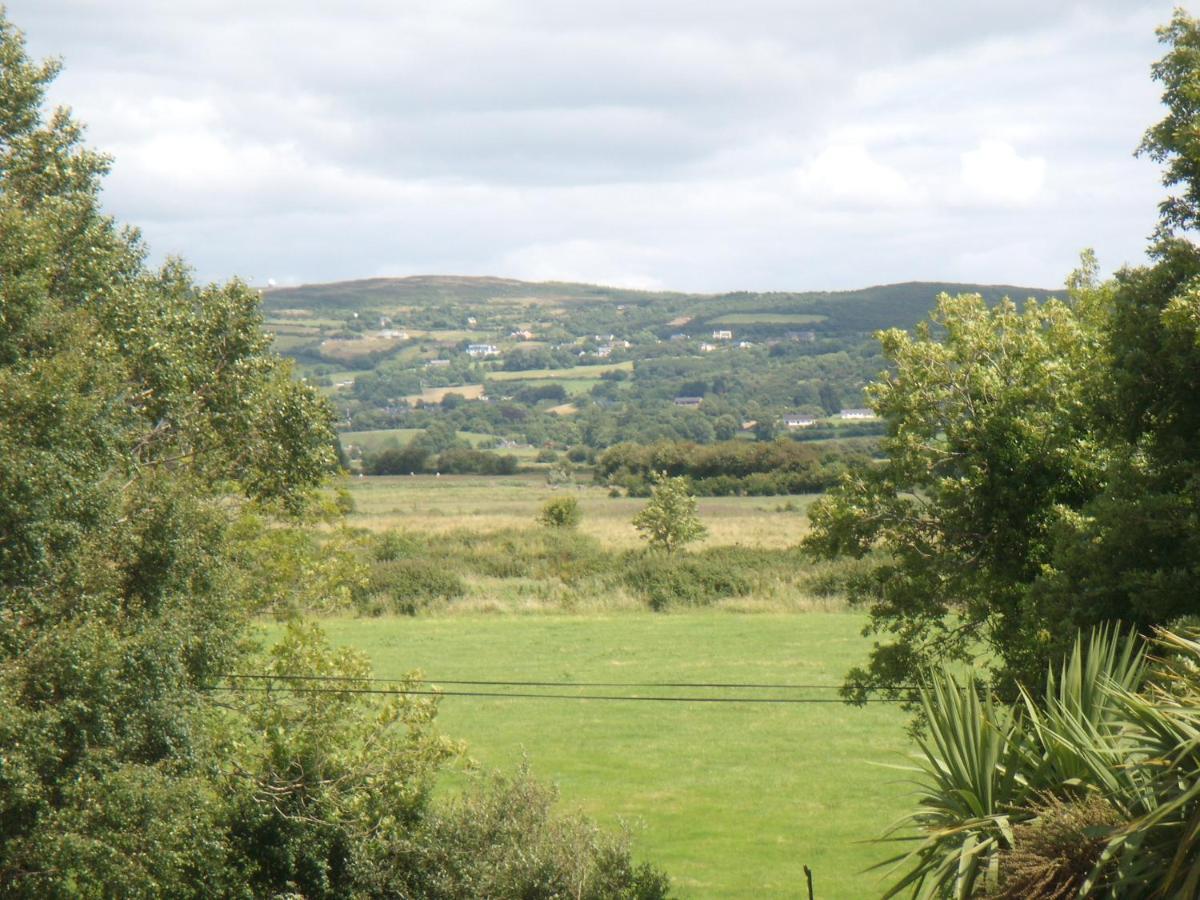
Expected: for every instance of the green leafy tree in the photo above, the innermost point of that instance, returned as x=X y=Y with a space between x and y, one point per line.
x=669 y=520
x=988 y=438
x=138 y=412
x=152 y=447
x=560 y=512
x=1042 y=465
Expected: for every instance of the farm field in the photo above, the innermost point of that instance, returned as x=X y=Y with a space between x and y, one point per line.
x=576 y=373
x=371 y=441
x=478 y=503
x=732 y=799
x=768 y=319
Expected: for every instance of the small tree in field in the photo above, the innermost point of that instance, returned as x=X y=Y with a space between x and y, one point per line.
x=669 y=520
x=560 y=512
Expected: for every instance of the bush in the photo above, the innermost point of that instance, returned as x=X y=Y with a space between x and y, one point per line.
x=665 y=580
x=412 y=584
x=503 y=839
x=560 y=512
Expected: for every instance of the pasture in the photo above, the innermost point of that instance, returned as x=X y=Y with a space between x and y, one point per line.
x=731 y=798
x=370 y=441
x=490 y=504
x=575 y=373
x=768 y=318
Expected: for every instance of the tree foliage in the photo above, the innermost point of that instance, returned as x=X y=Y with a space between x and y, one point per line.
x=669 y=520
x=152 y=446
x=1043 y=472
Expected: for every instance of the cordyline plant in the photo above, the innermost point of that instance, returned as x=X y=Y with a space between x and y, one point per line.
x=1092 y=790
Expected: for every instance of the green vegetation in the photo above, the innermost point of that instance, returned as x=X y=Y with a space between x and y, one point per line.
x=732 y=799
x=669 y=521
x=1092 y=790
x=560 y=512
x=1041 y=464
x=158 y=464
x=731 y=467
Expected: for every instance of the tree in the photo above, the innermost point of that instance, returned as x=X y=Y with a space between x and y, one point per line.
x=139 y=413
x=987 y=440
x=669 y=520
x=560 y=512
x=1042 y=468
x=150 y=442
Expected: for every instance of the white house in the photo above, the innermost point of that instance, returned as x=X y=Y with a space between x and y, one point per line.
x=856 y=414
x=689 y=402
x=723 y=335
x=798 y=421
x=481 y=350
x=707 y=348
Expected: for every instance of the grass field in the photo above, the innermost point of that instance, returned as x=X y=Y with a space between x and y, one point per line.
x=575 y=373
x=768 y=319
x=436 y=395
x=426 y=503
x=732 y=799
x=370 y=441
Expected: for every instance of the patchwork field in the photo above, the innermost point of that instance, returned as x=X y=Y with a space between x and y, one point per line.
x=733 y=799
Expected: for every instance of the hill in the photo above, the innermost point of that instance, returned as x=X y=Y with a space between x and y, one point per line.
x=556 y=363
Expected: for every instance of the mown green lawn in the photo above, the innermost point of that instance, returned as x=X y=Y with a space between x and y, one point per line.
x=732 y=799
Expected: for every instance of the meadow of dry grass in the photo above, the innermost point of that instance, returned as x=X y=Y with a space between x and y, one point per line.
x=427 y=503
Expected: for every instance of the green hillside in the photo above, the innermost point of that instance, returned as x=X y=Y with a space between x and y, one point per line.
x=558 y=364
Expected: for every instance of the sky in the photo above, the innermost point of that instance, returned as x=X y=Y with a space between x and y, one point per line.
x=662 y=144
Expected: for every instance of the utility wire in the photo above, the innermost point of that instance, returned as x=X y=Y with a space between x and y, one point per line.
x=533 y=696
x=560 y=684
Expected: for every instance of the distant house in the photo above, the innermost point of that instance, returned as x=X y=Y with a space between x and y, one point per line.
x=396 y=334
x=744 y=345
x=856 y=414
x=478 y=351
x=437 y=363
x=707 y=347
x=723 y=335
x=472 y=321
x=798 y=421
x=522 y=335
x=689 y=402
x=679 y=336
x=604 y=351
x=802 y=337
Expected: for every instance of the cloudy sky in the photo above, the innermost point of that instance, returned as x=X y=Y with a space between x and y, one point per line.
x=758 y=144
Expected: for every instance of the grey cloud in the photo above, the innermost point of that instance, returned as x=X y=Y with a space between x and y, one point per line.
x=673 y=142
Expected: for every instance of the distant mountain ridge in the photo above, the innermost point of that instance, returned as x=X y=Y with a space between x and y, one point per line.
x=862 y=309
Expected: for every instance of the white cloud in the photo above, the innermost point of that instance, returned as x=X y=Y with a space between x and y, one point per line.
x=594 y=262
x=771 y=144
x=995 y=173
x=849 y=173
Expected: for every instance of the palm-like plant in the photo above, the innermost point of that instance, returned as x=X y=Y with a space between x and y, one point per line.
x=989 y=772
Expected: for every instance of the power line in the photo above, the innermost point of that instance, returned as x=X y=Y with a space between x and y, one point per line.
x=535 y=696
x=560 y=684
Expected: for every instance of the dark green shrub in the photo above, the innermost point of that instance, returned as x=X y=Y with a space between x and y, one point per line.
x=410 y=585
x=392 y=545
x=664 y=580
x=560 y=512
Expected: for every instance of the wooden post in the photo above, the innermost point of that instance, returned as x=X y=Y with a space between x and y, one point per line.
x=808 y=878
